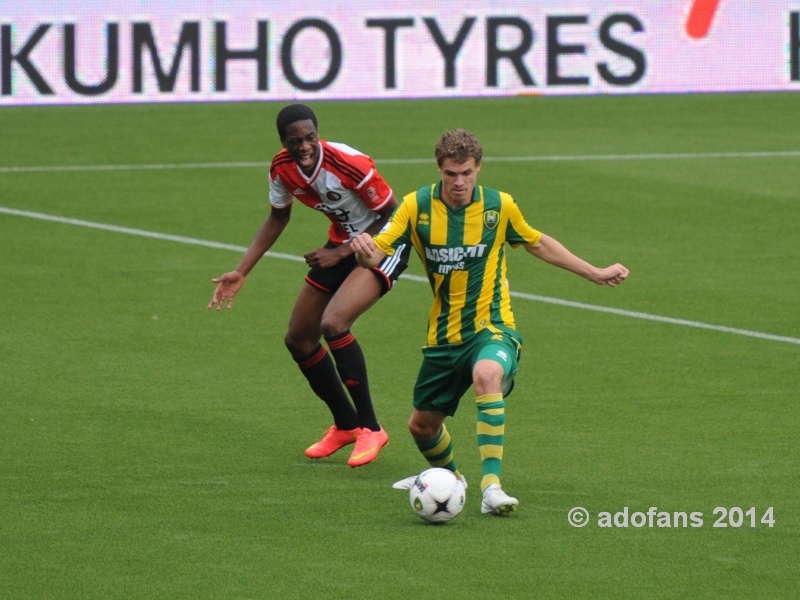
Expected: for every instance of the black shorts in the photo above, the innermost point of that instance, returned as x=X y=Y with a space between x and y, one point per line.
x=330 y=279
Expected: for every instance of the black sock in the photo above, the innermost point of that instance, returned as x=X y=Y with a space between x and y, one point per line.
x=353 y=371
x=322 y=377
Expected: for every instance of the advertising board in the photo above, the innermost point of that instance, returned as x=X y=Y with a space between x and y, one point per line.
x=54 y=52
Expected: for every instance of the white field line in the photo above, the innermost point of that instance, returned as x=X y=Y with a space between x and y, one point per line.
x=43 y=169
x=140 y=232
x=534 y=297
x=413 y=161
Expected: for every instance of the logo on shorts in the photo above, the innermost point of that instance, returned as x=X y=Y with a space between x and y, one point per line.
x=424 y=219
x=502 y=355
x=490 y=218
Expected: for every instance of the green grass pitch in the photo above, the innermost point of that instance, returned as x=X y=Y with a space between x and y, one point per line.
x=150 y=448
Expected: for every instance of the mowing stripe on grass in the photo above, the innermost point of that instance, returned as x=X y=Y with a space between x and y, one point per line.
x=534 y=297
x=607 y=157
x=414 y=161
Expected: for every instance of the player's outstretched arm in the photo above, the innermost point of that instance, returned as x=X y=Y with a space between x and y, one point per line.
x=230 y=283
x=552 y=251
x=227 y=287
x=368 y=254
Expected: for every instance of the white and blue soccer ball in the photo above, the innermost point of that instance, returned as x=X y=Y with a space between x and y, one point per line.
x=437 y=495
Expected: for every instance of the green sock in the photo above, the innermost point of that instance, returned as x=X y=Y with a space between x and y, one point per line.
x=491 y=428
x=439 y=451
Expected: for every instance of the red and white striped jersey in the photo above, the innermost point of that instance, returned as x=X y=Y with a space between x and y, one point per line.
x=345 y=186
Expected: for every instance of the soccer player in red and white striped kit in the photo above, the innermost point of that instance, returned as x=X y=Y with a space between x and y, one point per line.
x=345 y=186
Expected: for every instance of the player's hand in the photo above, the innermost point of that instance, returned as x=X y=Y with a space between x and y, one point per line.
x=227 y=286
x=611 y=276
x=326 y=257
x=363 y=244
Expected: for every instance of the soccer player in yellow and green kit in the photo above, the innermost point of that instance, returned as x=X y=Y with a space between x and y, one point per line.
x=460 y=230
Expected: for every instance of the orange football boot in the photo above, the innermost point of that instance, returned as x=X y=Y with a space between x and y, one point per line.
x=333 y=440
x=368 y=444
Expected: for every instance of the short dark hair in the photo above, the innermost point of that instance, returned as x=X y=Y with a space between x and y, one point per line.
x=293 y=113
x=458 y=145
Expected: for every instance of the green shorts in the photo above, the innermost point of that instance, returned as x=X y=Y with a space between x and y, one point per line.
x=446 y=371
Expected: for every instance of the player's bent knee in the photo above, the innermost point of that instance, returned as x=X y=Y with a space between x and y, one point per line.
x=290 y=341
x=332 y=326
x=487 y=378
x=299 y=347
x=421 y=432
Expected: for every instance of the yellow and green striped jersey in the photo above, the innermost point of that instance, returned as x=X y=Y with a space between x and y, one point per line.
x=463 y=252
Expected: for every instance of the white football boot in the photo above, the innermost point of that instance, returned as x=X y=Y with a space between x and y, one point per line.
x=497 y=502
x=405 y=484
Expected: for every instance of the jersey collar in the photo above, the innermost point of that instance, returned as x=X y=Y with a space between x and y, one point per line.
x=317 y=169
x=437 y=192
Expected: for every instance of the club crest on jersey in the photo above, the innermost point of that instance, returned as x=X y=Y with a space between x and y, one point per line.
x=333 y=196
x=491 y=218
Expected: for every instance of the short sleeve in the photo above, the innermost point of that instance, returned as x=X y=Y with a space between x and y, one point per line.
x=397 y=231
x=373 y=189
x=518 y=231
x=279 y=196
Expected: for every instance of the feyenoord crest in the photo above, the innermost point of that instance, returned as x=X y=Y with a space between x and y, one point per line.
x=490 y=218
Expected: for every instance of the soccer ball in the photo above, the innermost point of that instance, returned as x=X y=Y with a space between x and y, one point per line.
x=437 y=495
